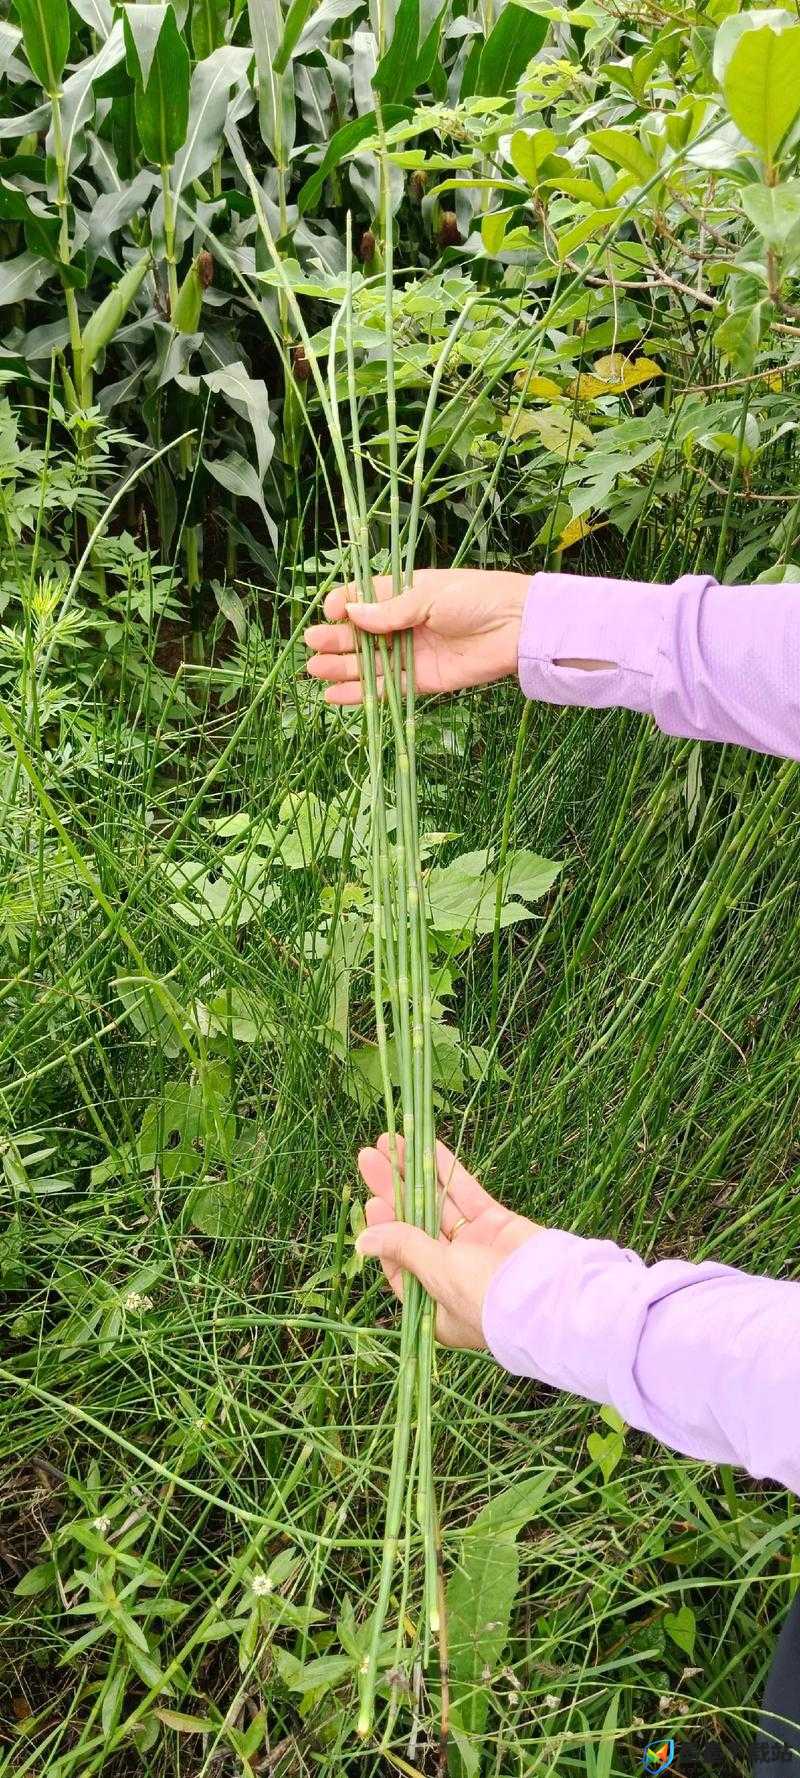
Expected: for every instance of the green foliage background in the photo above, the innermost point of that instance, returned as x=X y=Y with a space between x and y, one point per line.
x=197 y=1378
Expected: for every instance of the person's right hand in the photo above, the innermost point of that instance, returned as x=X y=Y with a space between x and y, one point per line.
x=476 y=1235
x=466 y=624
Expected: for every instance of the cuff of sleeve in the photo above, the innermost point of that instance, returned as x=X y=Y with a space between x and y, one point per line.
x=564 y=1310
x=575 y=616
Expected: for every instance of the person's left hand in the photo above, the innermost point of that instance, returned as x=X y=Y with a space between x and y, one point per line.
x=477 y=1235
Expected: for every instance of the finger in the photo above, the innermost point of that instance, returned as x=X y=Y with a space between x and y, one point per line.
x=462 y=1194
x=337 y=600
x=329 y=638
x=385 y=1148
x=462 y=1190
x=399 y=1244
x=377 y=1213
x=335 y=667
x=350 y=693
x=376 y=1172
x=383 y=619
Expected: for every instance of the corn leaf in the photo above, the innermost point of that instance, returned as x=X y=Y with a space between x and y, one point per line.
x=45 y=32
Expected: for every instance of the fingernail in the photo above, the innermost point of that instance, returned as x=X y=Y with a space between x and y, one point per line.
x=352 y=608
x=364 y=1247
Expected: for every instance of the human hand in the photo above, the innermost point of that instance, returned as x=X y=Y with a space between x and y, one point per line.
x=476 y=1236
x=466 y=624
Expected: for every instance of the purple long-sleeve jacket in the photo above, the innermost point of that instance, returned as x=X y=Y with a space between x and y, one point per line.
x=704 y=1357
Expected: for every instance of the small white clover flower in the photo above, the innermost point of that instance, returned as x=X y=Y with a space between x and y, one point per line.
x=102 y=1524
x=261 y=1585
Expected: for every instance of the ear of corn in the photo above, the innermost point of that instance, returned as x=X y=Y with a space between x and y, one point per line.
x=189 y=303
x=106 y=321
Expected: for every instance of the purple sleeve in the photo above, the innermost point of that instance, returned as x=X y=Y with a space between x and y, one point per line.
x=705 y=1358
x=719 y=663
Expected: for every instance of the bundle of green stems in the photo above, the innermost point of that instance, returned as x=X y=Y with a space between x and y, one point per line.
x=400 y=941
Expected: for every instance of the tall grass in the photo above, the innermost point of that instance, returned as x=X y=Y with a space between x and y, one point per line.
x=644 y=1089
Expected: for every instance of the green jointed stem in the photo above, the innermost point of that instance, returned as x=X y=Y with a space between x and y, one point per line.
x=400 y=938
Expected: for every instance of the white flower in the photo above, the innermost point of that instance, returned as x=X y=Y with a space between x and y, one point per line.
x=262 y=1585
x=101 y=1524
x=134 y=1303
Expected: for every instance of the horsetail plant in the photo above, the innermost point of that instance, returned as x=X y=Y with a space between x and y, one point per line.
x=400 y=942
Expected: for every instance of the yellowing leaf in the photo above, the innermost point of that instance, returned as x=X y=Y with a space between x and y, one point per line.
x=574 y=532
x=536 y=386
x=557 y=427
x=613 y=375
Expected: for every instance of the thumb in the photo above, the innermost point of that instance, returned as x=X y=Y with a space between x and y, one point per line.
x=400 y=1244
x=400 y=613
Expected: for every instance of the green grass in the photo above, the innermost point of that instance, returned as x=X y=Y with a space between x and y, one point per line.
x=648 y=1042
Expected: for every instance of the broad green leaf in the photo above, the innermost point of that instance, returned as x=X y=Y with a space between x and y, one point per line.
x=481 y=1594
x=738 y=337
x=528 y=150
x=733 y=28
x=296 y=18
x=276 y=96
x=395 y=75
x=143 y=26
x=773 y=209
x=37 y=1580
x=530 y=876
x=232 y=607
x=585 y=191
x=597 y=223
x=308 y=830
x=10 y=40
x=516 y=1506
x=21 y=277
x=462 y=895
x=159 y=62
x=606 y=1451
x=25 y=124
x=623 y=149
x=493 y=228
x=185 y=1724
x=345 y=143
x=113 y=1694
x=514 y=39
x=557 y=428
x=97 y=14
x=480 y=1599
x=761 y=84
x=46 y=33
x=239 y=477
x=681 y=1627
x=321 y=1675
x=113 y=210
x=248 y=396
x=79 y=97
x=147 y=1015
x=240 y=1014
x=209 y=18
x=209 y=98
